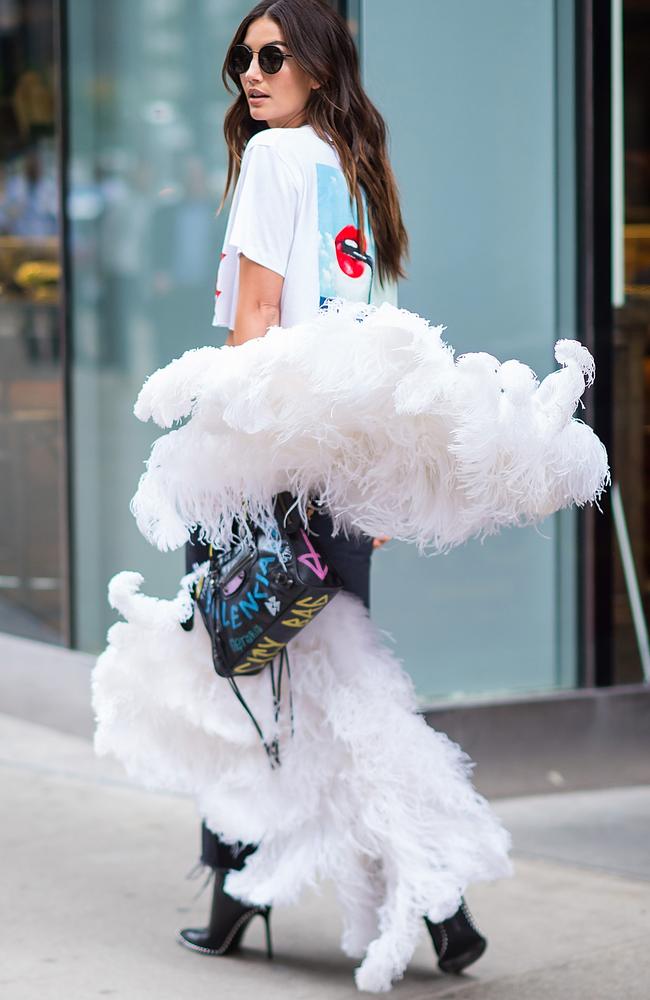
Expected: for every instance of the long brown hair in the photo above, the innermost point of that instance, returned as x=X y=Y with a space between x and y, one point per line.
x=320 y=41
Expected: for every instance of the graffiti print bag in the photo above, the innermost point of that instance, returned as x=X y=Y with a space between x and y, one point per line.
x=253 y=601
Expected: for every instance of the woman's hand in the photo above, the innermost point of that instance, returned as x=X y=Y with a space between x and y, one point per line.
x=381 y=540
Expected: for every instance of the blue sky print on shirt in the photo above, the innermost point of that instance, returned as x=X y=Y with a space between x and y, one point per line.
x=344 y=268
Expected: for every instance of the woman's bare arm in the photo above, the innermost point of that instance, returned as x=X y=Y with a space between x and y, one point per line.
x=258 y=302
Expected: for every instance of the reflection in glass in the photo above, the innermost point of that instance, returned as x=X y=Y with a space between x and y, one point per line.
x=146 y=175
x=632 y=340
x=32 y=552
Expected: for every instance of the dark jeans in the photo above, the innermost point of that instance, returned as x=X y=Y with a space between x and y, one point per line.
x=351 y=559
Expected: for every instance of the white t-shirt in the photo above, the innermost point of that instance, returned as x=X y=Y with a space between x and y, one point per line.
x=291 y=213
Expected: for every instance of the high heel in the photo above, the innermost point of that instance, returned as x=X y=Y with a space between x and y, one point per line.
x=229 y=918
x=457 y=940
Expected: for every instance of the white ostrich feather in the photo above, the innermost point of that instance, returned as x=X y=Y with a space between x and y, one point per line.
x=366 y=408
x=367 y=794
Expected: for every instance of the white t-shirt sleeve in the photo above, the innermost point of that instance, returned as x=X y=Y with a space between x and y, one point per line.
x=261 y=223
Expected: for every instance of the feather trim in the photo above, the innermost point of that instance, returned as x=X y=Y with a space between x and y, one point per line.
x=367 y=409
x=367 y=795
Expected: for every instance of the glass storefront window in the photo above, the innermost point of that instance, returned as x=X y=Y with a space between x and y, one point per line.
x=493 y=258
x=483 y=142
x=146 y=174
x=33 y=535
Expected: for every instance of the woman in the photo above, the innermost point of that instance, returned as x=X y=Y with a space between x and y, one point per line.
x=309 y=137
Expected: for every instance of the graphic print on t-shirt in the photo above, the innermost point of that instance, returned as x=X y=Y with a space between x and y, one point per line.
x=345 y=268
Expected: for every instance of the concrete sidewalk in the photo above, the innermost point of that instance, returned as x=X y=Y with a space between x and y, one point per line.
x=94 y=888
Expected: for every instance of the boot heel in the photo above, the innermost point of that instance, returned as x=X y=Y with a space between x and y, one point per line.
x=229 y=919
x=267 y=920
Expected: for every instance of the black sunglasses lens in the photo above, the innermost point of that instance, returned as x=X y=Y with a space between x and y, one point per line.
x=240 y=59
x=271 y=59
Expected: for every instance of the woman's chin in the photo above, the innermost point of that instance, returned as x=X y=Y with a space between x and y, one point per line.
x=256 y=115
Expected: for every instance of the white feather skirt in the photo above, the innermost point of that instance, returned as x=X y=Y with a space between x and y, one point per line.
x=367 y=409
x=367 y=793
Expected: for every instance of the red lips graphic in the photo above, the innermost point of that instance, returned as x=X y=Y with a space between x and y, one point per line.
x=353 y=268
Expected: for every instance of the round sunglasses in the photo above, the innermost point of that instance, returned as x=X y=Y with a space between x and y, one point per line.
x=270 y=59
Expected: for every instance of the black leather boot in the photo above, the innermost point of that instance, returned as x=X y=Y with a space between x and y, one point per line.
x=456 y=940
x=229 y=918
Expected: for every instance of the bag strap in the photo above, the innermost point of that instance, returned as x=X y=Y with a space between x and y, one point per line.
x=272 y=749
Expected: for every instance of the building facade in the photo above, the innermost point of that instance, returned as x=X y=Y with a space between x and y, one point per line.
x=520 y=140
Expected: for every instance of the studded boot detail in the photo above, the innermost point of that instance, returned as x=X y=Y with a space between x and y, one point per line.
x=457 y=940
